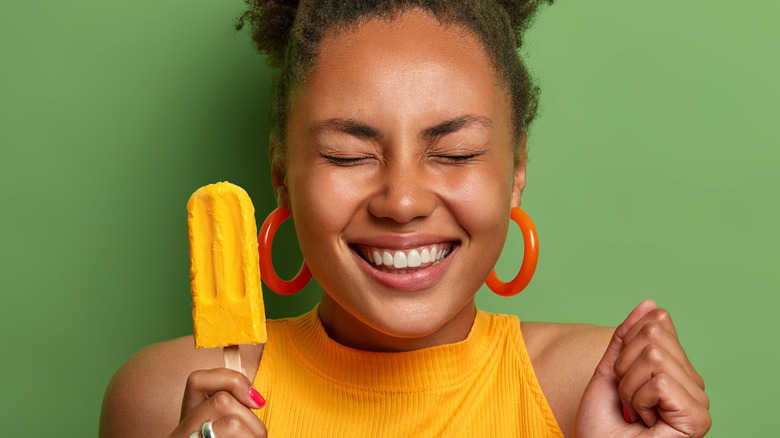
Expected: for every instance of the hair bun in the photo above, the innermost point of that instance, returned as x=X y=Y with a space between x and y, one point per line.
x=521 y=14
x=270 y=22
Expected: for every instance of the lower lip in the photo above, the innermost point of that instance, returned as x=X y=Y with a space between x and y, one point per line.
x=415 y=281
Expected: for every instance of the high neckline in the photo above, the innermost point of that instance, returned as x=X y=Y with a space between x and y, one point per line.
x=441 y=365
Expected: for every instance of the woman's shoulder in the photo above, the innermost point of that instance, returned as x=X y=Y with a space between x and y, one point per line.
x=555 y=342
x=560 y=340
x=564 y=357
x=147 y=389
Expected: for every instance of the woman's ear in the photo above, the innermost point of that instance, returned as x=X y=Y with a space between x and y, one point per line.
x=521 y=157
x=278 y=176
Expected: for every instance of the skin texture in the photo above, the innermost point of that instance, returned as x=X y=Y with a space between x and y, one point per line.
x=397 y=146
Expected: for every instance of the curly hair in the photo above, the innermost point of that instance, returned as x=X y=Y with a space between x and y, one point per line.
x=289 y=31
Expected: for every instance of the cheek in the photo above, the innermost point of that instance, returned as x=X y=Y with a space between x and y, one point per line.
x=323 y=203
x=481 y=201
x=482 y=204
x=319 y=190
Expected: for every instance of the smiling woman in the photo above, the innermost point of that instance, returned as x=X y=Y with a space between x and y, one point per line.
x=399 y=150
x=418 y=154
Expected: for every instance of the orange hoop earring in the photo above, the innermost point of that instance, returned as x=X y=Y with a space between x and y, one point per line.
x=530 y=258
x=264 y=242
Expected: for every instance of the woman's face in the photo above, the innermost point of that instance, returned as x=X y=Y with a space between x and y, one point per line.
x=400 y=177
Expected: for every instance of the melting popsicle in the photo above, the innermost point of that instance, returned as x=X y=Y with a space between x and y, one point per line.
x=227 y=301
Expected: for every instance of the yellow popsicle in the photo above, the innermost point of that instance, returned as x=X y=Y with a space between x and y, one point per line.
x=227 y=301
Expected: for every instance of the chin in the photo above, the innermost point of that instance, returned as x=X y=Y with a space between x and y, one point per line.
x=418 y=321
x=384 y=309
x=409 y=323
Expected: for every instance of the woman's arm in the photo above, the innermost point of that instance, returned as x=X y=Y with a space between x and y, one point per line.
x=564 y=357
x=646 y=377
x=157 y=393
x=619 y=367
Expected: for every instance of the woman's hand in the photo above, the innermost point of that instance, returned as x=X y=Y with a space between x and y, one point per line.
x=645 y=371
x=225 y=398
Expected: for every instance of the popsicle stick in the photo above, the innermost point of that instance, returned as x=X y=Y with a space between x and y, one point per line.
x=232 y=358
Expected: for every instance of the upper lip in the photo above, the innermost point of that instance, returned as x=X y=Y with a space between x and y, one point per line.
x=402 y=241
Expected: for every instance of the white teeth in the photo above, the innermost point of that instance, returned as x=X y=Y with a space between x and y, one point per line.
x=399 y=260
x=425 y=256
x=413 y=259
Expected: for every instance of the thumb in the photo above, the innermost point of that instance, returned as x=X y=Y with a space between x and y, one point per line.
x=600 y=404
x=607 y=363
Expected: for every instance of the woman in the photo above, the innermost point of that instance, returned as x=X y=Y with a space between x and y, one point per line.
x=400 y=130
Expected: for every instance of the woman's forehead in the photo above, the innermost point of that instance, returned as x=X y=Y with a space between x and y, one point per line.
x=413 y=35
x=407 y=64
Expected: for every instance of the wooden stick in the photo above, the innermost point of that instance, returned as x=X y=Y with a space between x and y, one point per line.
x=233 y=358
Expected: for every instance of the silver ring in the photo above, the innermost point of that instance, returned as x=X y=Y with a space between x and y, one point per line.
x=195 y=435
x=207 y=430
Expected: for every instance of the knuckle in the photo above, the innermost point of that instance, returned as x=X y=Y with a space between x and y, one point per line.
x=652 y=331
x=653 y=354
x=231 y=424
x=699 y=380
x=235 y=380
x=221 y=400
x=705 y=401
x=661 y=315
x=195 y=379
x=703 y=424
x=661 y=382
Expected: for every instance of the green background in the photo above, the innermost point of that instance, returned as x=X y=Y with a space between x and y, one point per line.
x=653 y=173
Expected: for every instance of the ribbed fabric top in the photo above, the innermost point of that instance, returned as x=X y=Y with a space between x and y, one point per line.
x=483 y=386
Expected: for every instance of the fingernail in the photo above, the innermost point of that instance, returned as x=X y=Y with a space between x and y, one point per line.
x=256 y=397
x=625 y=414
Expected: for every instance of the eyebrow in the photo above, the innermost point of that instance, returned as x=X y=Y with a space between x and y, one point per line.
x=349 y=126
x=361 y=130
x=437 y=131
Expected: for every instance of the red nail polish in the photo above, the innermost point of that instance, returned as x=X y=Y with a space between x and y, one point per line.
x=625 y=415
x=256 y=396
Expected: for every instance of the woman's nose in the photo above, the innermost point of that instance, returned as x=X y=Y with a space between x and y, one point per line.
x=404 y=193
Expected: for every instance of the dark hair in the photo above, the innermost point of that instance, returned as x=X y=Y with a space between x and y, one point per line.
x=289 y=32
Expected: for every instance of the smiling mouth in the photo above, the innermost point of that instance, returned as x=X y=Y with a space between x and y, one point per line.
x=404 y=261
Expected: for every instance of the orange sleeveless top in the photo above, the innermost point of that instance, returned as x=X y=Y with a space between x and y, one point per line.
x=483 y=386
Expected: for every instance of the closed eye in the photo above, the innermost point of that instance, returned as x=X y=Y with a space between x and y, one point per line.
x=344 y=161
x=456 y=158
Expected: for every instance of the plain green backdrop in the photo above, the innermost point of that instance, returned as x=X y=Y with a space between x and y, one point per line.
x=653 y=173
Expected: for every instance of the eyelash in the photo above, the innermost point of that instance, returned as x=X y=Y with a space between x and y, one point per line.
x=458 y=159
x=341 y=161
x=454 y=159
